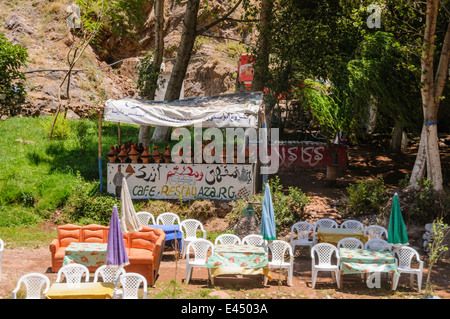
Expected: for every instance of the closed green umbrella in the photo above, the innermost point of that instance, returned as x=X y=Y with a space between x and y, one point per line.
x=397 y=234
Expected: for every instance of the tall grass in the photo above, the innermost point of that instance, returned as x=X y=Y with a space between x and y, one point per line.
x=37 y=175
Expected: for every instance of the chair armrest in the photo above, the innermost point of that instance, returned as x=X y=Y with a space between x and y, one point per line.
x=54 y=245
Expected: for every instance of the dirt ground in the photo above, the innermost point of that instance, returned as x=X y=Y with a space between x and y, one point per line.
x=364 y=162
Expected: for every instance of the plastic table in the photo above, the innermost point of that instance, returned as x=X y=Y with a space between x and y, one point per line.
x=334 y=235
x=83 y=290
x=88 y=254
x=238 y=260
x=366 y=261
x=172 y=232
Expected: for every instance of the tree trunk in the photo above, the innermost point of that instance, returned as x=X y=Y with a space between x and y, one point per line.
x=262 y=60
x=431 y=91
x=418 y=172
x=162 y=133
x=188 y=36
x=144 y=130
x=397 y=138
x=184 y=51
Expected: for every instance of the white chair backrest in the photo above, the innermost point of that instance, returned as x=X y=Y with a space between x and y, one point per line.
x=36 y=286
x=2 y=245
x=324 y=252
x=253 y=240
x=350 y=242
x=200 y=248
x=145 y=218
x=73 y=273
x=227 y=239
x=190 y=227
x=405 y=256
x=278 y=249
x=108 y=274
x=376 y=232
x=377 y=244
x=167 y=219
x=130 y=283
x=352 y=224
x=301 y=231
x=325 y=222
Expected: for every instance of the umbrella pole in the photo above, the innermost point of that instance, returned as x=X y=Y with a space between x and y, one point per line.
x=99 y=112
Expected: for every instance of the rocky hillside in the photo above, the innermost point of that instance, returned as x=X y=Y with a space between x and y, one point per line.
x=41 y=27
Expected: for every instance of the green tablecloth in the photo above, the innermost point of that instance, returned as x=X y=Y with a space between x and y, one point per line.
x=244 y=256
x=238 y=259
x=88 y=254
x=354 y=261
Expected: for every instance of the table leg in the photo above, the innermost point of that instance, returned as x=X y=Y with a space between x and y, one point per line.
x=342 y=281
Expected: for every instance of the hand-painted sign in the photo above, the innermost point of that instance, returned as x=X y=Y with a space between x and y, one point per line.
x=182 y=181
x=314 y=155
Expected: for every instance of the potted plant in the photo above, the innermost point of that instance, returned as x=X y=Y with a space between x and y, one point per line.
x=330 y=114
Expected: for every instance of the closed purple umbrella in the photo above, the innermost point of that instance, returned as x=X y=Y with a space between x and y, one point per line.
x=116 y=254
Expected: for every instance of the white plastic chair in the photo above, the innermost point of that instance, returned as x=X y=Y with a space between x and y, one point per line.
x=200 y=248
x=350 y=242
x=254 y=240
x=302 y=234
x=376 y=232
x=145 y=218
x=277 y=251
x=36 y=286
x=324 y=253
x=324 y=222
x=2 y=245
x=110 y=274
x=404 y=257
x=227 y=239
x=73 y=273
x=377 y=244
x=167 y=219
x=352 y=224
x=189 y=229
x=130 y=283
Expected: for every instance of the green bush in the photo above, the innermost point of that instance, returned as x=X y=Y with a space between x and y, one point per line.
x=13 y=57
x=429 y=204
x=366 y=197
x=85 y=205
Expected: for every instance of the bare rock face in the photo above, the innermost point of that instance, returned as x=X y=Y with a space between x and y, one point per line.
x=210 y=72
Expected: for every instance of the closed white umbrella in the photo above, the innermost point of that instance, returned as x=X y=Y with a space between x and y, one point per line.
x=129 y=221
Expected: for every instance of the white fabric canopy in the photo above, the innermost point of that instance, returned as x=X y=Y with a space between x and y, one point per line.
x=228 y=110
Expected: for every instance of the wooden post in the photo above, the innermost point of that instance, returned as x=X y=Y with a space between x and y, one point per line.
x=100 y=171
x=118 y=132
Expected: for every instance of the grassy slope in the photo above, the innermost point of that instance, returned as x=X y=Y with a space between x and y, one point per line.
x=37 y=175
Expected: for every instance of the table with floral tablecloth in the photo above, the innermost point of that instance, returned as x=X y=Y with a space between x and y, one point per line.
x=366 y=261
x=88 y=254
x=238 y=260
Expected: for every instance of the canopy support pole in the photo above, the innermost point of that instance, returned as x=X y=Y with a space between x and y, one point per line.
x=118 y=133
x=100 y=171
